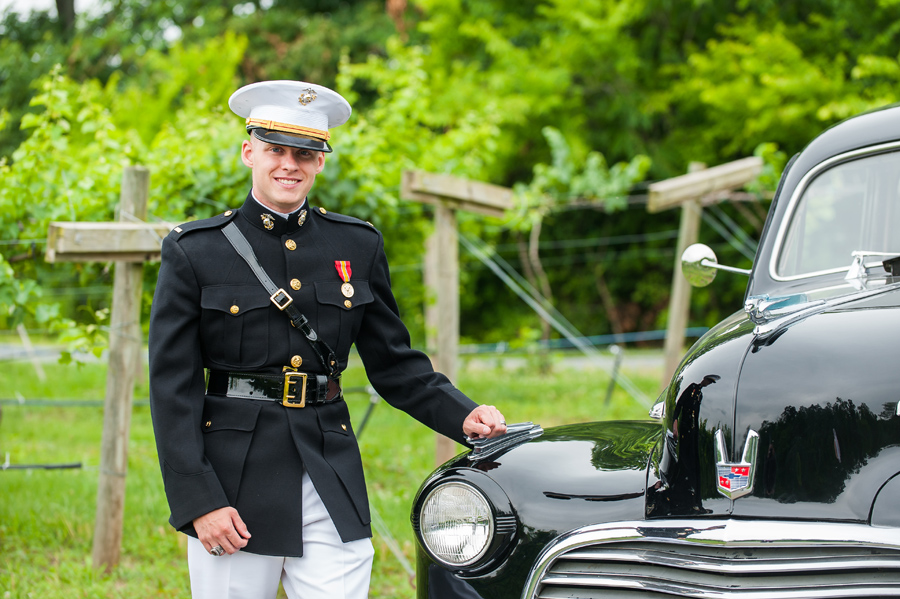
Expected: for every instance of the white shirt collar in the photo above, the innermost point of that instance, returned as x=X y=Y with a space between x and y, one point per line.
x=283 y=215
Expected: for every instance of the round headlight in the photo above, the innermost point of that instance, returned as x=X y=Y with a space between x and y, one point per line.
x=456 y=524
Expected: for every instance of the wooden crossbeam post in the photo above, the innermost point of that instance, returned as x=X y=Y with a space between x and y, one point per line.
x=690 y=192
x=442 y=308
x=129 y=242
x=124 y=356
x=448 y=194
x=680 y=296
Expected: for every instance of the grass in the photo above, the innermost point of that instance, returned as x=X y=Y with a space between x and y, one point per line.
x=47 y=516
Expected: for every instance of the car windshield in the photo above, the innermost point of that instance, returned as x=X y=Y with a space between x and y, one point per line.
x=853 y=206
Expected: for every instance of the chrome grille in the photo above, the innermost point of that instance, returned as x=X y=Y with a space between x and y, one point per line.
x=719 y=560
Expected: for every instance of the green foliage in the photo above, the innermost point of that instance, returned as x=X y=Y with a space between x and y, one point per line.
x=566 y=181
x=573 y=102
x=28 y=50
x=289 y=42
x=65 y=169
x=75 y=145
x=782 y=76
x=760 y=79
x=89 y=339
x=183 y=76
x=774 y=161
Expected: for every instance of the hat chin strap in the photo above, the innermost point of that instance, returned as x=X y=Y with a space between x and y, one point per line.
x=271 y=125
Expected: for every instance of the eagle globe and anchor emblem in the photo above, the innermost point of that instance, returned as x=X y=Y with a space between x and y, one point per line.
x=308 y=96
x=735 y=480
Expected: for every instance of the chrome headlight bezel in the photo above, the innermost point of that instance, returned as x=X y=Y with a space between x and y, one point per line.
x=503 y=523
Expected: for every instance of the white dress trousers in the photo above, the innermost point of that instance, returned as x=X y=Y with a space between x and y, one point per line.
x=329 y=568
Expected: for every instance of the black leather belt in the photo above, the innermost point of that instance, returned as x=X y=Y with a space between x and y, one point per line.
x=291 y=389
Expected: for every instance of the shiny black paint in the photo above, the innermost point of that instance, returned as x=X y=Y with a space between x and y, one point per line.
x=684 y=462
x=823 y=398
x=592 y=472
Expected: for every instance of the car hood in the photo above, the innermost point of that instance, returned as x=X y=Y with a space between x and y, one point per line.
x=570 y=475
x=822 y=399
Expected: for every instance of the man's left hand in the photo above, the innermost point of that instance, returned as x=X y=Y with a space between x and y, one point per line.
x=484 y=422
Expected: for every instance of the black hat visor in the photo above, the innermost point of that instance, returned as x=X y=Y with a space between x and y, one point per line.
x=286 y=139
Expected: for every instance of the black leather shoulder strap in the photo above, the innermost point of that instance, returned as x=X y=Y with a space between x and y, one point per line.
x=282 y=300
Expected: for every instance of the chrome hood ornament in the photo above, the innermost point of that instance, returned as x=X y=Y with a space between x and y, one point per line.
x=516 y=434
x=735 y=480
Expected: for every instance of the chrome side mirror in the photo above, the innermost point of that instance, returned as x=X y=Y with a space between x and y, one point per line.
x=697 y=265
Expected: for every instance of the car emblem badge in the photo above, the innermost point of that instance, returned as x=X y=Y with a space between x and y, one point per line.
x=736 y=480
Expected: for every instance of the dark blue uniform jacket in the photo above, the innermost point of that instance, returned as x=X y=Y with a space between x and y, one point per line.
x=211 y=312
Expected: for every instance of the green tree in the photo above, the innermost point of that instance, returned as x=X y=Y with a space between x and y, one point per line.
x=69 y=167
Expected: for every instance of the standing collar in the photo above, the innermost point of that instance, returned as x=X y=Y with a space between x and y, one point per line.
x=272 y=222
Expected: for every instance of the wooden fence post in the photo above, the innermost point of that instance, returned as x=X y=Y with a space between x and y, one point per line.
x=448 y=194
x=691 y=191
x=124 y=352
x=442 y=315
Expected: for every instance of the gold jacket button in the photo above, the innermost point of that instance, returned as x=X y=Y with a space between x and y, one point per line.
x=208 y=423
x=296 y=361
x=344 y=426
x=290 y=244
x=234 y=309
x=323 y=211
x=228 y=213
x=348 y=304
x=295 y=284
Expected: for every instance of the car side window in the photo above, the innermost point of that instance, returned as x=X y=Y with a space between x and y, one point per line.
x=852 y=206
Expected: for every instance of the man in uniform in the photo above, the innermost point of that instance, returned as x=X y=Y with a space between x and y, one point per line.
x=252 y=321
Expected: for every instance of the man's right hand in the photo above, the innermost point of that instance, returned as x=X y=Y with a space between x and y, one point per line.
x=222 y=527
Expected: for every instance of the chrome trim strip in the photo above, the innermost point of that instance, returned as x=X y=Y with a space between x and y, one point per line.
x=657 y=410
x=764 y=331
x=717 y=533
x=763 y=308
x=798 y=191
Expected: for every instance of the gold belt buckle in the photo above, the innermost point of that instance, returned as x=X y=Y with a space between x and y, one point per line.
x=287 y=397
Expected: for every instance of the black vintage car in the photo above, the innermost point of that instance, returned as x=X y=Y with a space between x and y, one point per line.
x=772 y=468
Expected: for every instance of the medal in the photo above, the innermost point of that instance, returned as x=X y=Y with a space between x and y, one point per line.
x=343 y=268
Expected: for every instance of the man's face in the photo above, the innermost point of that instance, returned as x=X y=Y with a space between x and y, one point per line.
x=282 y=175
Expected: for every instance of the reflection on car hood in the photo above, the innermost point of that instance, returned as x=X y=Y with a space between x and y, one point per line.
x=559 y=480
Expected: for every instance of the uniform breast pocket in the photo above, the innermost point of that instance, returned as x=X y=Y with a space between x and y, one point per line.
x=235 y=325
x=340 y=316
